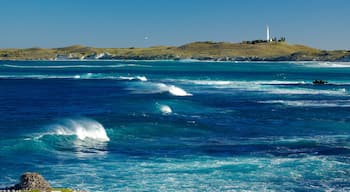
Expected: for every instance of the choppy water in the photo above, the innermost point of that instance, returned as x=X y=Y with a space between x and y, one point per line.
x=176 y=125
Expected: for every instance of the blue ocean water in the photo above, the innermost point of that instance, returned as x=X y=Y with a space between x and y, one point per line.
x=176 y=125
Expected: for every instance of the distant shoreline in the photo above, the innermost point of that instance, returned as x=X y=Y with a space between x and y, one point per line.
x=197 y=51
x=182 y=61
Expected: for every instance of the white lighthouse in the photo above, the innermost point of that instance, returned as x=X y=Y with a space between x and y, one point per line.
x=268 y=39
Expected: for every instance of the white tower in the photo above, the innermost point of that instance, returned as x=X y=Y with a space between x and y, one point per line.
x=268 y=34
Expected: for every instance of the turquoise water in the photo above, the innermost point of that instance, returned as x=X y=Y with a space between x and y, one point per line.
x=176 y=125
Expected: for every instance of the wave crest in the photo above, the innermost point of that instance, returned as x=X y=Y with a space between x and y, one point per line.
x=172 y=89
x=152 y=88
x=82 y=128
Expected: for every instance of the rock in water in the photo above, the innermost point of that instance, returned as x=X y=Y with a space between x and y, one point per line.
x=32 y=181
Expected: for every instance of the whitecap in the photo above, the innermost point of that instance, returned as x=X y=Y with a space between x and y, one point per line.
x=165 y=109
x=77 y=77
x=152 y=88
x=141 y=78
x=177 y=91
x=172 y=89
x=82 y=128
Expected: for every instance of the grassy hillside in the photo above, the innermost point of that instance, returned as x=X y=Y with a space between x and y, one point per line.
x=242 y=49
x=197 y=50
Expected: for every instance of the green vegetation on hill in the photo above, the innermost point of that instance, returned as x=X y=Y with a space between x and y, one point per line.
x=258 y=51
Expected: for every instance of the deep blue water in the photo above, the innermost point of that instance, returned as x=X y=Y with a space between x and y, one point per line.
x=176 y=125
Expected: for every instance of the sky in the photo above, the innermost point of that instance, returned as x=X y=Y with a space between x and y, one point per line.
x=323 y=24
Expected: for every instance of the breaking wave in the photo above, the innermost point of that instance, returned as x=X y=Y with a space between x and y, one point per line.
x=152 y=88
x=81 y=128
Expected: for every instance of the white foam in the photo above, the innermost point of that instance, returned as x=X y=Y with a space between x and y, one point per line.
x=270 y=87
x=277 y=82
x=311 y=103
x=172 y=89
x=153 y=88
x=165 y=109
x=209 y=82
x=236 y=83
x=141 y=78
x=189 y=60
x=328 y=64
x=177 y=91
x=306 y=91
x=82 y=128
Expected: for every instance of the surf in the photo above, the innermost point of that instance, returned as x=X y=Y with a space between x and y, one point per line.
x=152 y=88
x=310 y=103
x=81 y=128
x=273 y=87
x=140 y=78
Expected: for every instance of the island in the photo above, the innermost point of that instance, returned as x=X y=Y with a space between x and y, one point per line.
x=257 y=50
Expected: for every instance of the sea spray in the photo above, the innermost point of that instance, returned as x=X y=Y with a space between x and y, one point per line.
x=82 y=128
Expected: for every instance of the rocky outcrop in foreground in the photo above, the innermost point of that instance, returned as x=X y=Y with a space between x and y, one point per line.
x=31 y=182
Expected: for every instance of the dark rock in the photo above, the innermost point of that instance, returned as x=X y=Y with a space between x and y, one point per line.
x=344 y=59
x=32 y=181
x=319 y=82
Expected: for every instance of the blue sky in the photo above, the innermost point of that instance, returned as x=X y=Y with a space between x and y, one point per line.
x=322 y=24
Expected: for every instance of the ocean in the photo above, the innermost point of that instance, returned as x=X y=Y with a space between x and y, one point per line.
x=176 y=125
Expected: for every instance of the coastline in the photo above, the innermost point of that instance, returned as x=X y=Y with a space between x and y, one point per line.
x=181 y=61
x=197 y=51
